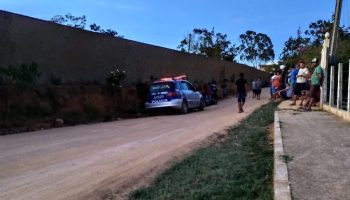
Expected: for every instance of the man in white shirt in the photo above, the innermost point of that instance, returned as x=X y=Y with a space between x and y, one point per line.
x=301 y=85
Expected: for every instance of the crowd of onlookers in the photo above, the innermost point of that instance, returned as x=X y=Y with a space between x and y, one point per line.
x=297 y=83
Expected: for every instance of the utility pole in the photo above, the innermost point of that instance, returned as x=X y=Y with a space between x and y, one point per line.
x=189 y=42
x=335 y=32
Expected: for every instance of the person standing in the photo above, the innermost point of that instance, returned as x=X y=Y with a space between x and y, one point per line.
x=241 y=89
x=224 y=88
x=272 y=76
x=258 y=88
x=316 y=82
x=284 y=76
x=293 y=77
x=301 y=84
x=254 y=87
x=276 y=84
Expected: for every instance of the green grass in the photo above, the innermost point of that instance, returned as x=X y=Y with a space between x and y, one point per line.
x=238 y=167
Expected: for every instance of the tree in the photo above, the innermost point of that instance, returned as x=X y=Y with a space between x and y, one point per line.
x=80 y=22
x=293 y=47
x=256 y=48
x=70 y=20
x=320 y=27
x=209 y=44
x=94 y=27
x=189 y=44
x=58 y=19
x=305 y=47
x=76 y=22
x=317 y=30
x=110 y=32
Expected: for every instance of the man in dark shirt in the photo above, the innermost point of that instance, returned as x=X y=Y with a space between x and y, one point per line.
x=241 y=84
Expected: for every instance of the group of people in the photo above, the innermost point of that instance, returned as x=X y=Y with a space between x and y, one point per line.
x=256 y=87
x=295 y=83
x=298 y=83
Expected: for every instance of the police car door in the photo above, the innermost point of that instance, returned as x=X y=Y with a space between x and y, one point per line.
x=190 y=94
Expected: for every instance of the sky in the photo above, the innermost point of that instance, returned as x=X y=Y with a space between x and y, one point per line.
x=166 y=22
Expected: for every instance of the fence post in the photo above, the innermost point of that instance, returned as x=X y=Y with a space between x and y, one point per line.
x=349 y=89
x=324 y=65
x=331 y=87
x=324 y=88
x=340 y=86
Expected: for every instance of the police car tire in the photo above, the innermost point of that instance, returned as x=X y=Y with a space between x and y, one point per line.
x=184 y=107
x=201 y=105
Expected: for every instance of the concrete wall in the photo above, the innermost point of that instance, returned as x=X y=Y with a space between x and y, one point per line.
x=76 y=55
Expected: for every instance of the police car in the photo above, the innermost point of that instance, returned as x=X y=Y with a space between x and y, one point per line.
x=175 y=93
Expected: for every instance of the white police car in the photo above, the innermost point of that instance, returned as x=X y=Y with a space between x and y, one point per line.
x=175 y=93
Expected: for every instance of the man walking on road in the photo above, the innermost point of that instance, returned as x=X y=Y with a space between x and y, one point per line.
x=241 y=84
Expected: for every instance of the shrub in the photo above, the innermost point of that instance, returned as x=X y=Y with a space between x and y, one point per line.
x=22 y=74
x=115 y=78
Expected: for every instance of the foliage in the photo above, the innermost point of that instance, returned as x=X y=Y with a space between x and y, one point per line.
x=256 y=48
x=80 y=22
x=22 y=74
x=305 y=47
x=94 y=27
x=293 y=47
x=209 y=44
x=238 y=167
x=70 y=20
x=269 y=68
x=320 y=27
x=115 y=78
x=343 y=51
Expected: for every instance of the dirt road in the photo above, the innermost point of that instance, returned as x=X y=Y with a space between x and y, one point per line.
x=84 y=162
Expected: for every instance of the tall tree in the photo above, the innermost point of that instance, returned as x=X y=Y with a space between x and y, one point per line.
x=256 y=48
x=317 y=30
x=308 y=45
x=208 y=43
x=189 y=44
x=293 y=47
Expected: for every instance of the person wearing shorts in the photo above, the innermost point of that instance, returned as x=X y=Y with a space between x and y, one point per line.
x=258 y=88
x=254 y=87
x=241 y=85
x=316 y=80
x=301 y=84
x=293 y=77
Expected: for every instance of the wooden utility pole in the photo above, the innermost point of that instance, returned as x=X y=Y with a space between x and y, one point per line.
x=335 y=32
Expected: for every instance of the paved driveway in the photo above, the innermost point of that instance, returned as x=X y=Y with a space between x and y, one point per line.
x=319 y=145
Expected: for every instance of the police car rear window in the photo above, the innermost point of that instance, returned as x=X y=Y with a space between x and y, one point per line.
x=162 y=87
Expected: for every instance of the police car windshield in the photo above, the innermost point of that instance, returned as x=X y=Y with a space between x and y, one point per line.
x=162 y=87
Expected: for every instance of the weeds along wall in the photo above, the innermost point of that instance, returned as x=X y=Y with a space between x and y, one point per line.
x=77 y=56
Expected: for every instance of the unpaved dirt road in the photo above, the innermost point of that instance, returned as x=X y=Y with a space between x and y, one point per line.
x=87 y=161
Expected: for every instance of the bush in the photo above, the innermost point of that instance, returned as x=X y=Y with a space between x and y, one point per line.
x=115 y=78
x=22 y=74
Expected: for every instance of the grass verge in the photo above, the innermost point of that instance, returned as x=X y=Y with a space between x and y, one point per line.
x=238 y=167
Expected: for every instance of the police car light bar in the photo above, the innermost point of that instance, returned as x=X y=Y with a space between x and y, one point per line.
x=181 y=77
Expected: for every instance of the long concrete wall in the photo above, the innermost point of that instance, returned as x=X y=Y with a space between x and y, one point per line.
x=76 y=55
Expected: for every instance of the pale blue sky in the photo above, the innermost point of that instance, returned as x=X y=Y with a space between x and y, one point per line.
x=165 y=22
